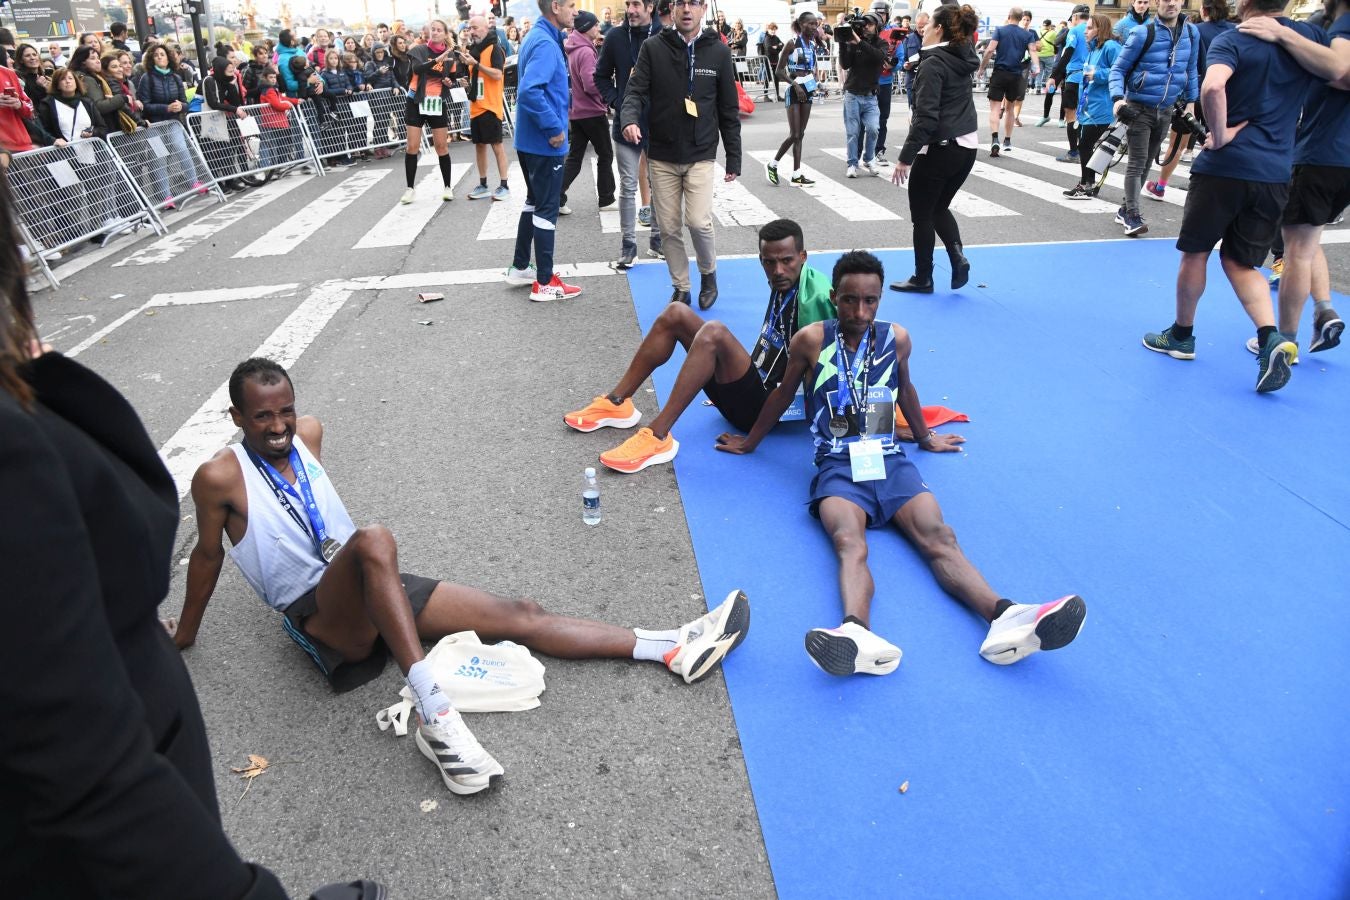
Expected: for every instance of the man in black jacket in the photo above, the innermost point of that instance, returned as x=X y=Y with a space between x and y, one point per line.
x=862 y=55
x=685 y=83
x=618 y=57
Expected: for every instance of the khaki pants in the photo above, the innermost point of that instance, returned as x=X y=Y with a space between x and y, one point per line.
x=682 y=195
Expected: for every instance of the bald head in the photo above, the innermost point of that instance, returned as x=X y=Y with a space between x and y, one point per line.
x=478 y=27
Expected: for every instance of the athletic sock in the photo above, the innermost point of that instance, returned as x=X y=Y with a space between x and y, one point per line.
x=1262 y=333
x=1002 y=606
x=1073 y=137
x=994 y=138
x=426 y=692
x=856 y=621
x=1321 y=306
x=1182 y=332
x=482 y=182
x=410 y=167
x=654 y=645
x=1161 y=184
x=505 y=185
x=445 y=169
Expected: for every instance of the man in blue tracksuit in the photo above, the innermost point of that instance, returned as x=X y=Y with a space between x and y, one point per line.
x=1158 y=65
x=542 y=101
x=618 y=57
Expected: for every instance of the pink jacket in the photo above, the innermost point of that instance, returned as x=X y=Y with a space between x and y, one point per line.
x=581 y=56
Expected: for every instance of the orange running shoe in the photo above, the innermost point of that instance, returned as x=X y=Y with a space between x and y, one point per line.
x=640 y=451
x=602 y=413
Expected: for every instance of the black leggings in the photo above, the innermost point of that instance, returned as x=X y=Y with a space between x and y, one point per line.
x=798 y=114
x=933 y=181
x=1088 y=136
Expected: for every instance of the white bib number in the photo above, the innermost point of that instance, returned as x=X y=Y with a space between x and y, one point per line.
x=866 y=460
x=432 y=106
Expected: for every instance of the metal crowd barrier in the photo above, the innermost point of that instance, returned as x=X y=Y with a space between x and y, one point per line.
x=82 y=191
x=256 y=144
x=165 y=163
x=367 y=121
x=509 y=107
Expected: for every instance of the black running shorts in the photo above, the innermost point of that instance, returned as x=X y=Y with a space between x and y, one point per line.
x=1317 y=195
x=1069 y=101
x=342 y=674
x=485 y=128
x=1005 y=85
x=413 y=112
x=1245 y=215
x=739 y=401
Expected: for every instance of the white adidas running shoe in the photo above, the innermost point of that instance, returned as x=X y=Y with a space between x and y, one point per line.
x=1025 y=628
x=706 y=641
x=851 y=648
x=465 y=767
x=408 y=196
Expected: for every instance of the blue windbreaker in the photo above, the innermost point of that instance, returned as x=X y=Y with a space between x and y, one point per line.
x=542 y=94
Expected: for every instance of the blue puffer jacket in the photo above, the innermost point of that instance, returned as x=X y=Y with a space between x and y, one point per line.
x=284 y=55
x=542 y=97
x=1151 y=82
x=157 y=91
x=335 y=82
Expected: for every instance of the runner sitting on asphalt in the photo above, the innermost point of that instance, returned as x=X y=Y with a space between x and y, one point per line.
x=859 y=372
x=346 y=603
x=736 y=381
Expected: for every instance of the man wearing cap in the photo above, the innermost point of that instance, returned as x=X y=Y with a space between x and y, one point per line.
x=863 y=56
x=1069 y=73
x=587 y=117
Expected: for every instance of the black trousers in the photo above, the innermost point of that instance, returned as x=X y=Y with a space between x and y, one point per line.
x=593 y=131
x=1088 y=136
x=934 y=179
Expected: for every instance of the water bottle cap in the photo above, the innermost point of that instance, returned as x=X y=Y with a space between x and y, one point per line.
x=590 y=473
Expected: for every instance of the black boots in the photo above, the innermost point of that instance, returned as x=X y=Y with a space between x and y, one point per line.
x=707 y=290
x=915 y=285
x=960 y=267
x=679 y=296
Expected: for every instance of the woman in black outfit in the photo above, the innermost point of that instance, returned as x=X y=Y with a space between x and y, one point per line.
x=939 y=151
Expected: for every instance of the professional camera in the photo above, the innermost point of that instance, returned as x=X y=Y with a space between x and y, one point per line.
x=1184 y=122
x=1110 y=148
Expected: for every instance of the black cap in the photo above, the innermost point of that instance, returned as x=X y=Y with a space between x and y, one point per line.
x=585 y=21
x=1082 y=9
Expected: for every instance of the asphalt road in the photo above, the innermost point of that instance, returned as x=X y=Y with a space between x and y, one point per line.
x=443 y=423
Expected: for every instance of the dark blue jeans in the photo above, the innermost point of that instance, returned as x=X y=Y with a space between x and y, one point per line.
x=539 y=218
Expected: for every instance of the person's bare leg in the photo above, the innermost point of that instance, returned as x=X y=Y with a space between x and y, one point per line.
x=455 y=607
x=1176 y=143
x=846 y=524
x=499 y=150
x=480 y=159
x=1252 y=289
x=1009 y=113
x=1302 y=246
x=677 y=324
x=995 y=116
x=713 y=354
x=360 y=597
x=1191 y=285
x=920 y=520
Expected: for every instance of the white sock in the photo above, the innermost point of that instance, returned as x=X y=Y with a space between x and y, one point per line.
x=431 y=702
x=654 y=645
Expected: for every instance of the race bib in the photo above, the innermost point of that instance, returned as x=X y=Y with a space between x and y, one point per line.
x=432 y=106
x=866 y=460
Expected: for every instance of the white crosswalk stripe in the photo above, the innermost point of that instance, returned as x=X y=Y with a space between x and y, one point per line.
x=1115 y=178
x=847 y=204
x=404 y=222
x=504 y=217
x=1035 y=187
x=313 y=215
x=734 y=204
x=963 y=204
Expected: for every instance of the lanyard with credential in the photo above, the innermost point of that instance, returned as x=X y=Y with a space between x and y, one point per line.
x=690 y=48
x=323 y=545
x=844 y=373
x=776 y=314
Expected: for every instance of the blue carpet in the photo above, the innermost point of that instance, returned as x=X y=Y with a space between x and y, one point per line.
x=1193 y=741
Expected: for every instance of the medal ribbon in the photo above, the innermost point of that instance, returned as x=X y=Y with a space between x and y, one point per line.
x=844 y=373
x=776 y=315
x=690 y=48
x=318 y=534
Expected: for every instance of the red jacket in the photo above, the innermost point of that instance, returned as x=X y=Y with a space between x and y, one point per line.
x=277 y=107
x=13 y=134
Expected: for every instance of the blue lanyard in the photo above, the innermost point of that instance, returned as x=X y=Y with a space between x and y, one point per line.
x=845 y=368
x=317 y=532
x=776 y=314
x=690 y=48
x=808 y=55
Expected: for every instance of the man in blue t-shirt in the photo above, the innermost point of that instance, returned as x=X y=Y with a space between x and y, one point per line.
x=1069 y=74
x=1320 y=190
x=1007 y=87
x=1252 y=96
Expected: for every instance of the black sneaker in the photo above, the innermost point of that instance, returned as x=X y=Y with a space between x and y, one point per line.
x=993 y=149
x=802 y=181
x=1079 y=192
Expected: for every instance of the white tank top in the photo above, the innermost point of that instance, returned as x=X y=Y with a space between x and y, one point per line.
x=277 y=556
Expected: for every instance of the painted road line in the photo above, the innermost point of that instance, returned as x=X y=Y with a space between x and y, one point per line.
x=179 y=241
x=503 y=217
x=466 y=276
x=1043 y=191
x=609 y=218
x=185 y=298
x=734 y=204
x=1175 y=195
x=847 y=204
x=963 y=204
x=404 y=222
x=211 y=427
x=315 y=214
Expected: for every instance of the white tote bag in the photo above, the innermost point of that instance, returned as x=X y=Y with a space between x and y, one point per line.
x=477 y=677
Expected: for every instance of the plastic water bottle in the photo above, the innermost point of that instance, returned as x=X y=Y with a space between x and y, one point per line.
x=590 y=499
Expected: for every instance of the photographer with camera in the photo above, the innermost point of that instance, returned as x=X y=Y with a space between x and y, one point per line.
x=1253 y=94
x=1158 y=65
x=862 y=53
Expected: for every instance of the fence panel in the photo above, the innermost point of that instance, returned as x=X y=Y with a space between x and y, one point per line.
x=509 y=99
x=354 y=124
x=166 y=164
x=66 y=195
x=263 y=140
